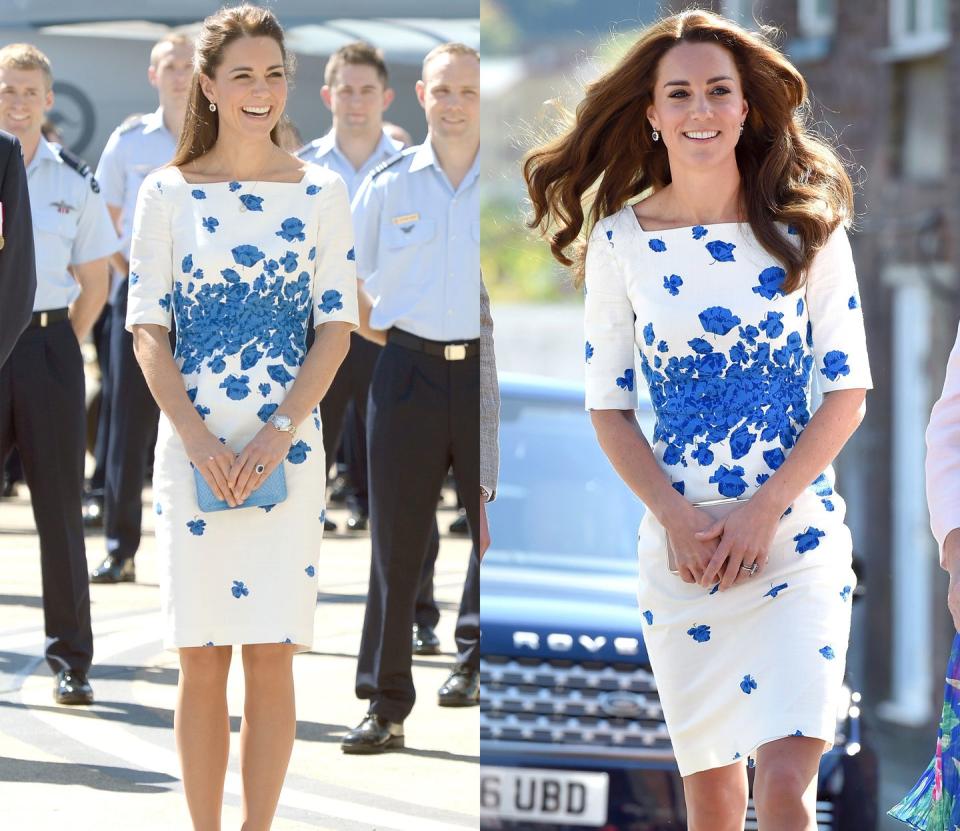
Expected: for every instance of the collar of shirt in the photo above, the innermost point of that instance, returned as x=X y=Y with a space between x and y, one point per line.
x=46 y=152
x=385 y=148
x=425 y=156
x=154 y=121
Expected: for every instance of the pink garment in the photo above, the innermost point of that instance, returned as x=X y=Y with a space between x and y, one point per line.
x=943 y=454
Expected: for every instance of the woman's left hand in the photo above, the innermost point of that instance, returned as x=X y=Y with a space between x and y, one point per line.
x=746 y=535
x=267 y=448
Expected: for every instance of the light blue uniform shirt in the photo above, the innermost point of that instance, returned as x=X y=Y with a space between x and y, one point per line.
x=134 y=149
x=418 y=247
x=71 y=225
x=324 y=152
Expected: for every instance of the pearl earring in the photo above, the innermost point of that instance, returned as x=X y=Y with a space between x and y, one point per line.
x=655 y=135
x=213 y=109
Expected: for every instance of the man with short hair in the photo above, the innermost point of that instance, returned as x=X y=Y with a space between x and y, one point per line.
x=418 y=232
x=139 y=145
x=42 y=410
x=357 y=93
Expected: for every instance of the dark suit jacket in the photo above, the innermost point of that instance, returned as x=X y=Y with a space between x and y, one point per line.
x=18 y=265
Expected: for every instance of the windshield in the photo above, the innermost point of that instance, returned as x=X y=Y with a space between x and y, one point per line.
x=557 y=493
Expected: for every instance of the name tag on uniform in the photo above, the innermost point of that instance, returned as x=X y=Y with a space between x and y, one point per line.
x=406 y=219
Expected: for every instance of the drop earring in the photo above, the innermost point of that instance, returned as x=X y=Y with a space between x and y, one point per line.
x=213 y=109
x=655 y=135
x=741 y=128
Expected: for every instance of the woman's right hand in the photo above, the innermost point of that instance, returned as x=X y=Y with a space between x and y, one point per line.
x=213 y=459
x=692 y=555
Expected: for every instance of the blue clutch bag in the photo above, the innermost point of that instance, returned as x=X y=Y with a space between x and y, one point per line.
x=272 y=491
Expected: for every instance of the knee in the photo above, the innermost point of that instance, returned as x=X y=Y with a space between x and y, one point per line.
x=779 y=788
x=721 y=806
x=269 y=661
x=205 y=665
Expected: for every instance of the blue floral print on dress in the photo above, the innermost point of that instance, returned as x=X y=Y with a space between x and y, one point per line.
x=266 y=508
x=774 y=458
x=741 y=440
x=648 y=617
x=775 y=590
x=808 y=540
x=313 y=253
x=700 y=346
x=247 y=255
x=845 y=593
x=266 y=411
x=588 y=351
x=679 y=487
x=264 y=389
x=210 y=223
x=772 y=325
x=700 y=633
x=351 y=256
x=237 y=386
x=722 y=252
x=699 y=232
x=289 y=262
x=313 y=190
x=625 y=382
x=311 y=571
x=330 y=301
x=853 y=303
x=729 y=481
x=298 y=452
x=827 y=652
x=234 y=186
x=197 y=527
x=703 y=455
x=748 y=684
x=158 y=509
x=165 y=302
x=610 y=238
x=662 y=346
x=134 y=278
x=672 y=284
x=771 y=282
x=657 y=245
x=799 y=307
x=292 y=229
x=251 y=202
x=186 y=264
x=835 y=364
x=196 y=193
x=278 y=372
x=648 y=335
x=239 y=590
x=718 y=320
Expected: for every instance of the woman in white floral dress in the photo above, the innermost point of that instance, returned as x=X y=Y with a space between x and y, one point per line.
x=236 y=242
x=735 y=279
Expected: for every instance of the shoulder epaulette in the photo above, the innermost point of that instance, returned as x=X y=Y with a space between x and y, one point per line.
x=386 y=165
x=312 y=145
x=131 y=122
x=78 y=164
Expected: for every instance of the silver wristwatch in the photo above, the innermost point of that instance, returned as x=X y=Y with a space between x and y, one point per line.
x=284 y=424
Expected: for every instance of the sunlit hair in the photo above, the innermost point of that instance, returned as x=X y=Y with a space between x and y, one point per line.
x=26 y=56
x=173 y=39
x=201 y=127
x=788 y=172
x=356 y=54
x=448 y=49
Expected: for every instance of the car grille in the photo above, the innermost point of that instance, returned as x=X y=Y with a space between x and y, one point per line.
x=567 y=703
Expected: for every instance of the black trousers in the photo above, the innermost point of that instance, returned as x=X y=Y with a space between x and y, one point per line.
x=42 y=415
x=133 y=432
x=423 y=418
x=101 y=337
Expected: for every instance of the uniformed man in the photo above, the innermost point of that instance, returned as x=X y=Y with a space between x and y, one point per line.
x=139 y=145
x=42 y=385
x=18 y=272
x=417 y=244
x=356 y=91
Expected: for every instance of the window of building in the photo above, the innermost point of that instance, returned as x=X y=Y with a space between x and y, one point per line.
x=918 y=23
x=816 y=18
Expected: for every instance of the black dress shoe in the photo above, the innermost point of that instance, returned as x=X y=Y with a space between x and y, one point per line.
x=461 y=689
x=329 y=525
x=93 y=510
x=112 y=570
x=72 y=687
x=460 y=525
x=425 y=640
x=357 y=522
x=373 y=735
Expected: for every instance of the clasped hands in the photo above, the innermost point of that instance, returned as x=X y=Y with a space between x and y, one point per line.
x=233 y=476
x=708 y=549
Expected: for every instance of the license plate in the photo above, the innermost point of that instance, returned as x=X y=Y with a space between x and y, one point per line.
x=538 y=795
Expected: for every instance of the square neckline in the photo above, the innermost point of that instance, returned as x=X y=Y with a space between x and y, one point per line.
x=636 y=222
x=240 y=181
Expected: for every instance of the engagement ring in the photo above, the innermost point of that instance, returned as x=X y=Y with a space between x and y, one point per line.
x=751 y=570
x=259 y=469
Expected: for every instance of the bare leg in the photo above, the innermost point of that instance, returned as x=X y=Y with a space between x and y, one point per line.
x=202 y=729
x=785 y=784
x=717 y=798
x=268 y=730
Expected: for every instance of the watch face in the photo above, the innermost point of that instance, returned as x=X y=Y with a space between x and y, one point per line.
x=281 y=422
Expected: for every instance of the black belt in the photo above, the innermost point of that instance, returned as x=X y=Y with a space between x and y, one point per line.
x=452 y=351
x=50 y=316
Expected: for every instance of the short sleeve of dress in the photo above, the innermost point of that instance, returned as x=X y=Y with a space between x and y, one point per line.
x=836 y=320
x=335 y=283
x=149 y=292
x=609 y=348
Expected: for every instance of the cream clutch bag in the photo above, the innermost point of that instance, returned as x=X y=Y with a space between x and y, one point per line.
x=717 y=509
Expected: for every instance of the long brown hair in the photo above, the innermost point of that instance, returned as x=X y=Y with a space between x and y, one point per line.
x=788 y=172
x=200 y=126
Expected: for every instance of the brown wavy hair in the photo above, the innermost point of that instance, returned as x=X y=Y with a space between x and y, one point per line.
x=200 y=126
x=789 y=173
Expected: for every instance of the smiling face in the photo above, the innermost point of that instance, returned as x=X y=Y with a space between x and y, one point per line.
x=249 y=87
x=170 y=75
x=698 y=104
x=450 y=96
x=24 y=100
x=357 y=98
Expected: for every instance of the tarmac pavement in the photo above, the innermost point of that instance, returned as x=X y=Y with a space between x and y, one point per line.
x=114 y=765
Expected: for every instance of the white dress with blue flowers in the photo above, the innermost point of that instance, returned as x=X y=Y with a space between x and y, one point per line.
x=238 y=266
x=728 y=359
